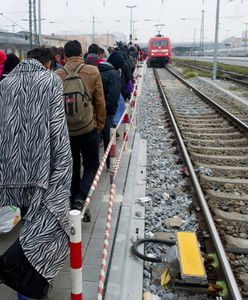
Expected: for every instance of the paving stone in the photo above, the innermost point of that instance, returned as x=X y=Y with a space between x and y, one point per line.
x=63 y=280
x=90 y=290
x=61 y=294
x=91 y=272
x=6 y=293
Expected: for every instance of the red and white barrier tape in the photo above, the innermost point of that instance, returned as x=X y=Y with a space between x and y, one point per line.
x=103 y=271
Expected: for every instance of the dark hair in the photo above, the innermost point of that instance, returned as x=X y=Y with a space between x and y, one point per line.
x=42 y=54
x=73 y=48
x=101 y=50
x=93 y=48
x=11 y=62
x=61 y=52
x=54 y=51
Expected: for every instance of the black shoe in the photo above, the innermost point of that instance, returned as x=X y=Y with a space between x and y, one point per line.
x=87 y=216
x=78 y=206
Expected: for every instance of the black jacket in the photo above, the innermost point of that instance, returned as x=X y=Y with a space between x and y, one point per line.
x=111 y=86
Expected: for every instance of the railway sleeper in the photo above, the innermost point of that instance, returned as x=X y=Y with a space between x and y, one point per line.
x=207 y=136
x=219 y=150
x=195 y=112
x=199 y=125
x=221 y=160
x=224 y=184
x=231 y=216
x=216 y=121
x=195 y=118
x=218 y=143
x=210 y=130
x=236 y=245
x=222 y=196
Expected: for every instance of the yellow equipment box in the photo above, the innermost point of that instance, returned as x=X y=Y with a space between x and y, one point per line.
x=190 y=259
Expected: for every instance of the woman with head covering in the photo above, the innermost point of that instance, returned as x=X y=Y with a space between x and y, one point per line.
x=11 y=62
x=3 y=58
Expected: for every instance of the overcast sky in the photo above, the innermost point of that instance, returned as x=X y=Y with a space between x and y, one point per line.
x=182 y=18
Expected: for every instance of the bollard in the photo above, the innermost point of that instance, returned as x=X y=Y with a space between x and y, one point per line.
x=76 y=255
x=112 y=154
x=125 y=122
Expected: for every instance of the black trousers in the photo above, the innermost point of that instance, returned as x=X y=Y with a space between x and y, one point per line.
x=86 y=147
x=105 y=133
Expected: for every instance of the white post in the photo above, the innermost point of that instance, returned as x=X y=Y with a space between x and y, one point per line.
x=76 y=255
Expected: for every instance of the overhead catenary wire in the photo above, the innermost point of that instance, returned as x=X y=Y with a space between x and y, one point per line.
x=10 y=20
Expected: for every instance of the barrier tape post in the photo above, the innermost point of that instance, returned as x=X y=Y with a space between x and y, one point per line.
x=112 y=154
x=125 y=122
x=76 y=255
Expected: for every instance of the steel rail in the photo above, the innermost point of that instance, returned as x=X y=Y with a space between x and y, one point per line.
x=231 y=281
x=204 y=97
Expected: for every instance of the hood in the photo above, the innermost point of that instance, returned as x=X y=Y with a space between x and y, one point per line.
x=91 y=59
x=105 y=66
x=28 y=65
x=116 y=59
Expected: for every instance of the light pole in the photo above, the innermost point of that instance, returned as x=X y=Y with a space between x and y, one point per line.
x=246 y=37
x=134 y=21
x=227 y=44
x=216 y=40
x=39 y=22
x=131 y=21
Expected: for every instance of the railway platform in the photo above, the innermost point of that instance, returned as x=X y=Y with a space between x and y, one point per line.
x=93 y=233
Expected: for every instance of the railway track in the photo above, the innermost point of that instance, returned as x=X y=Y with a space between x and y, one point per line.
x=217 y=143
x=234 y=77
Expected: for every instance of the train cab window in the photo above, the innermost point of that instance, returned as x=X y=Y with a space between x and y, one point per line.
x=163 y=43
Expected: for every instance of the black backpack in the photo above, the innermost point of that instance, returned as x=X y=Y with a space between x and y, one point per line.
x=77 y=103
x=17 y=273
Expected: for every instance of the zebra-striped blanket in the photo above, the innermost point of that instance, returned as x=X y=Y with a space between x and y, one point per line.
x=35 y=162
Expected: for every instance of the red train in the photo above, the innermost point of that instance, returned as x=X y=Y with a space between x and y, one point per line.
x=159 y=51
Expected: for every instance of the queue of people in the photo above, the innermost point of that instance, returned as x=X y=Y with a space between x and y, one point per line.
x=55 y=106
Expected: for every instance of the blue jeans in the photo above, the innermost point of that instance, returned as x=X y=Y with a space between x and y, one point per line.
x=86 y=147
x=21 y=297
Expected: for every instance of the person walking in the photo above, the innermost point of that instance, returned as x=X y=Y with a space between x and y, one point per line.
x=84 y=126
x=11 y=62
x=35 y=173
x=92 y=55
x=112 y=88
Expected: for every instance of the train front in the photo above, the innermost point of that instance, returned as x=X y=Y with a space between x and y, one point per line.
x=159 y=51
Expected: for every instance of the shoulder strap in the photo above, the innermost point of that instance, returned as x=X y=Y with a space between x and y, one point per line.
x=78 y=68
x=67 y=70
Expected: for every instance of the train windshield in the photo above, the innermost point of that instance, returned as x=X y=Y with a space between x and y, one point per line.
x=162 y=43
